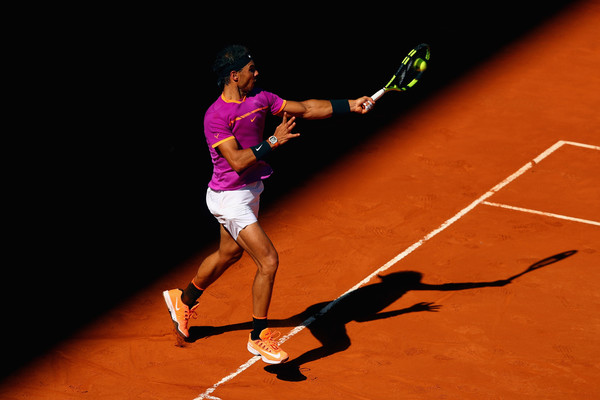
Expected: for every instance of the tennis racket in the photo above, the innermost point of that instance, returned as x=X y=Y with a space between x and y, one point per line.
x=407 y=75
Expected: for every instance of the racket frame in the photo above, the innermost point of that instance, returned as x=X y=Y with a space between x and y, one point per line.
x=406 y=63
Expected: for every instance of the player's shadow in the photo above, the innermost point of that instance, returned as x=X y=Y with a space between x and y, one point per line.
x=365 y=304
x=327 y=320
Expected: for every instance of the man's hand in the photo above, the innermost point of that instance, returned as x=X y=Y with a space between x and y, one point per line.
x=283 y=132
x=356 y=105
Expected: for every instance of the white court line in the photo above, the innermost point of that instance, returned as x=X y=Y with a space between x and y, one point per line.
x=587 y=146
x=389 y=264
x=547 y=214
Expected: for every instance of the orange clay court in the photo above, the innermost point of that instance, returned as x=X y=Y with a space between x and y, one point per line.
x=469 y=264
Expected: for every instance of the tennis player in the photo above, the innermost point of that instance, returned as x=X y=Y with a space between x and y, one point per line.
x=233 y=126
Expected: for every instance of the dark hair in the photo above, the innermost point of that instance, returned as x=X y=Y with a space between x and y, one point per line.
x=231 y=58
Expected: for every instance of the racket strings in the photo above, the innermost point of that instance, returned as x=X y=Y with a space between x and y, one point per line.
x=407 y=75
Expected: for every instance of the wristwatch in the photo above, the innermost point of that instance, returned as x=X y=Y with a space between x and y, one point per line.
x=273 y=141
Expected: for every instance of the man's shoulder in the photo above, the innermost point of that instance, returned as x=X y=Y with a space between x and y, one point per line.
x=216 y=109
x=216 y=116
x=260 y=93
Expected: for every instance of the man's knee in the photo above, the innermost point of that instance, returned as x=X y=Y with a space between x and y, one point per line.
x=269 y=263
x=230 y=256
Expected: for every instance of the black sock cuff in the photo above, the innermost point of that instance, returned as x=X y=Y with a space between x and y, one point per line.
x=191 y=294
x=258 y=326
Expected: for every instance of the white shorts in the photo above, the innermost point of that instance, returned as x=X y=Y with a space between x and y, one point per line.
x=235 y=209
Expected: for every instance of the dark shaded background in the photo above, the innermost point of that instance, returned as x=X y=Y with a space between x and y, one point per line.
x=108 y=165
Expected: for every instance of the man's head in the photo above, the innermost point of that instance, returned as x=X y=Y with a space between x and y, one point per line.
x=234 y=63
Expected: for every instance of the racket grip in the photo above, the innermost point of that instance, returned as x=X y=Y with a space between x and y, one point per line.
x=377 y=95
x=368 y=105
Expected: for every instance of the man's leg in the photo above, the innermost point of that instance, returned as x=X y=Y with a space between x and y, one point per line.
x=180 y=303
x=214 y=265
x=262 y=342
x=258 y=245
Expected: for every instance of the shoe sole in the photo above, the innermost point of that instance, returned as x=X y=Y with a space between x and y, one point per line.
x=265 y=359
x=171 y=309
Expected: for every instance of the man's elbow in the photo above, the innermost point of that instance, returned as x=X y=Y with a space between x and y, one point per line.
x=239 y=165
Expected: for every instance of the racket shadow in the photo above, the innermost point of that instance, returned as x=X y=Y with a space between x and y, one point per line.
x=546 y=261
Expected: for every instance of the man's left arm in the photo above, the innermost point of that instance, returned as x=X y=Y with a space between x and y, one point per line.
x=319 y=109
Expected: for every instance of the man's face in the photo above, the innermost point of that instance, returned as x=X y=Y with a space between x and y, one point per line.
x=247 y=77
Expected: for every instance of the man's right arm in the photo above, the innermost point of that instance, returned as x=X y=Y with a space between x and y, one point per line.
x=240 y=159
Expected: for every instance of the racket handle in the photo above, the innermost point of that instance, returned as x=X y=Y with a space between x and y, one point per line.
x=368 y=105
x=377 y=95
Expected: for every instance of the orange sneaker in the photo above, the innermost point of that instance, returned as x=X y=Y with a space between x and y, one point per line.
x=180 y=312
x=267 y=347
